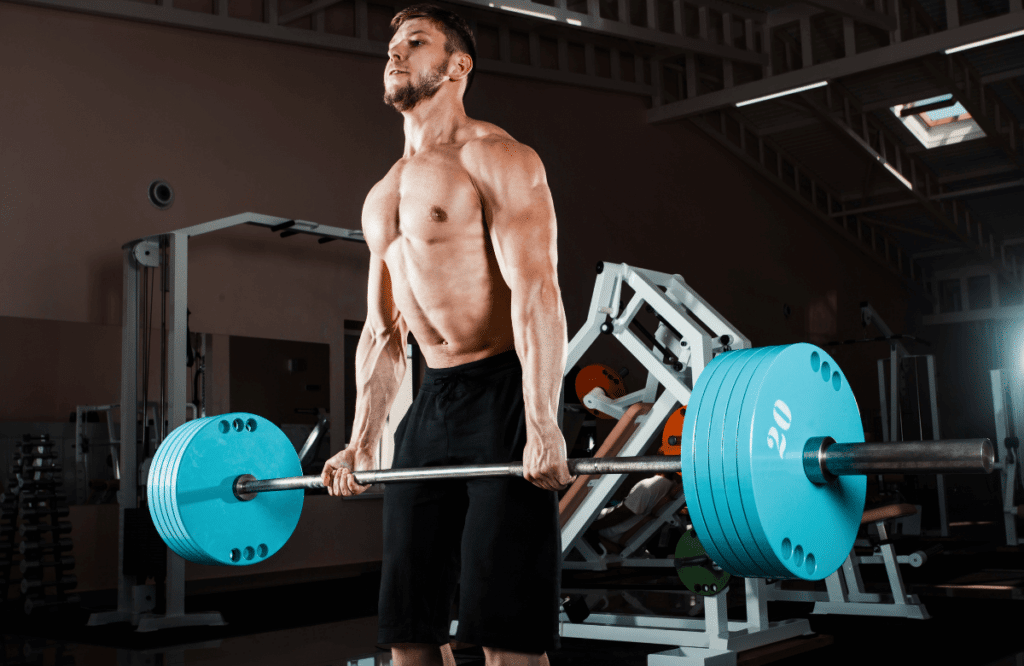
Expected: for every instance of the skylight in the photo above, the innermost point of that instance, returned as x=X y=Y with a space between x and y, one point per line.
x=938 y=121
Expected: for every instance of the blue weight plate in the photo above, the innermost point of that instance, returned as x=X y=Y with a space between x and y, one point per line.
x=180 y=541
x=175 y=521
x=809 y=528
x=176 y=454
x=693 y=461
x=156 y=484
x=233 y=532
x=740 y=468
x=724 y=385
x=164 y=463
x=726 y=483
x=188 y=548
x=715 y=511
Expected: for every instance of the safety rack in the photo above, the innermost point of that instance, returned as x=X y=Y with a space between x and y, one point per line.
x=34 y=506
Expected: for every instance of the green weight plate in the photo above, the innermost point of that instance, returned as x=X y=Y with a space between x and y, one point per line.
x=726 y=463
x=693 y=461
x=696 y=570
x=733 y=366
x=739 y=427
x=809 y=528
x=232 y=532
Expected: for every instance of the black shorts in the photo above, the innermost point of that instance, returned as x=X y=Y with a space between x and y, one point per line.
x=499 y=537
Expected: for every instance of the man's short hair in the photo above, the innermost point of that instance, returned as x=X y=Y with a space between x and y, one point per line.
x=458 y=36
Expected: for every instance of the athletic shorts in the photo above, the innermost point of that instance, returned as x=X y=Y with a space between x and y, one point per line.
x=497 y=539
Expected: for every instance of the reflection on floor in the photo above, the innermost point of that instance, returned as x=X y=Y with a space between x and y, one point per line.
x=335 y=624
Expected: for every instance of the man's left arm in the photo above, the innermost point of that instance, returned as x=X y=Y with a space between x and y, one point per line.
x=521 y=222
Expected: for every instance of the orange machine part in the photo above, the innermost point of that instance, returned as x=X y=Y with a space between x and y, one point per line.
x=673 y=428
x=602 y=376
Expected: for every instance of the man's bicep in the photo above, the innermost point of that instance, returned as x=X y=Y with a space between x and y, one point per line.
x=521 y=214
x=382 y=315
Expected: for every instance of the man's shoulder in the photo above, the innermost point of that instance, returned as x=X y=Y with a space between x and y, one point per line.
x=493 y=150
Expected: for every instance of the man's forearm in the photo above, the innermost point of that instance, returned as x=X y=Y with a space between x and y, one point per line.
x=538 y=320
x=380 y=367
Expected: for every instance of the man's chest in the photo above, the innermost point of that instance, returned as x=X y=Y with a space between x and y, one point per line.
x=426 y=199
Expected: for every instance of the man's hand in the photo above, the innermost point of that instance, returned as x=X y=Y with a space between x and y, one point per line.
x=544 y=463
x=337 y=475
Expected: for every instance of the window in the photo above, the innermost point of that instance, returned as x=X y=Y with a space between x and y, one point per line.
x=938 y=121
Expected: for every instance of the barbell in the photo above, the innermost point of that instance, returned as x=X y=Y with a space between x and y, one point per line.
x=772 y=459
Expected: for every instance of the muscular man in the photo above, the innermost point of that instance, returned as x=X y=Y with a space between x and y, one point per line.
x=462 y=234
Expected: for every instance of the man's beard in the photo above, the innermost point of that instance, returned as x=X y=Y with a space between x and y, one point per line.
x=410 y=94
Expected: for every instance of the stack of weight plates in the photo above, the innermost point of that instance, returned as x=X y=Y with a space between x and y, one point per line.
x=191 y=496
x=752 y=505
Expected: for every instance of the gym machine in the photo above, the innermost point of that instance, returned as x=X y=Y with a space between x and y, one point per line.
x=168 y=251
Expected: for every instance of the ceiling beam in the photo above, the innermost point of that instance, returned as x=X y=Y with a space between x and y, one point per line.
x=857 y=12
x=888 y=55
x=592 y=22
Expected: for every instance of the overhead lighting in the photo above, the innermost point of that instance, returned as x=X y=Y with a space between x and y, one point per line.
x=574 y=21
x=991 y=40
x=784 y=92
x=896 y=173
x=528 y=12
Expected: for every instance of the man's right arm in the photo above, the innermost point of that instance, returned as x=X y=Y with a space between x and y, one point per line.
x=380 y=358
x=380 y=367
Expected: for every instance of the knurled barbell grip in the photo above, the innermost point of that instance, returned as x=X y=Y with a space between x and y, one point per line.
x=246 y=487
x=823 y=460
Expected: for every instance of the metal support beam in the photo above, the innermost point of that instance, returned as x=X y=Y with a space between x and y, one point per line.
x=909 y=49
x=854 y=10
x=840 y=107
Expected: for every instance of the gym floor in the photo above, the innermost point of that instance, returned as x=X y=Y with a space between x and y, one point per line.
x=335 y=624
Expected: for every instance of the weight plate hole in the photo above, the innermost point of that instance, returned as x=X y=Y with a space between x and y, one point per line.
x=787 y=548
x=826 y=372
x=250 y=425
x=262 y=550
x=811 y=566
x=238 y=425
x=837 y=381
x=236 y=555
x=249 y=553
x=815 y=361
x=224 y=426
x=798 y=556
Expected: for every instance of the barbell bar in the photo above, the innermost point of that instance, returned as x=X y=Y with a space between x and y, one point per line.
x=824 y=460
x=768 y=488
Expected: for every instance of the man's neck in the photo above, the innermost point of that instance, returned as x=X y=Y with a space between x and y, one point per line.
x=433 y=122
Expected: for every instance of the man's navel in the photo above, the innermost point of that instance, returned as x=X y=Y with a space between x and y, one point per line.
x=437 y=214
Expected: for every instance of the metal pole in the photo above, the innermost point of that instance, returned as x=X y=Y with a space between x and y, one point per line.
x=823 y=459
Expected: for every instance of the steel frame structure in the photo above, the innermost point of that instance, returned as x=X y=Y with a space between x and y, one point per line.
x=1008 y=405
x=685 y=319
x=150 y=251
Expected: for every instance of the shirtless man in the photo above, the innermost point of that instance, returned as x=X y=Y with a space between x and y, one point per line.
x=462 y=236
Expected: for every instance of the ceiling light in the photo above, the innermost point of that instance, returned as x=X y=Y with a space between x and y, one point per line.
x=983 y=42
x=784 y=92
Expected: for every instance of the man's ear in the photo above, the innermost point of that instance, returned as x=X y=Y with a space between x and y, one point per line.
x=463 y=64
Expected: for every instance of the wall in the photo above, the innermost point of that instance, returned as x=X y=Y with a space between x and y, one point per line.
x=94 y=109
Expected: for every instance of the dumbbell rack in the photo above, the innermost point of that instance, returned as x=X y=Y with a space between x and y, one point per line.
x=36 y=507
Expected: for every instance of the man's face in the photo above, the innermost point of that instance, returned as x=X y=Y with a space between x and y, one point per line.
x=417 y=64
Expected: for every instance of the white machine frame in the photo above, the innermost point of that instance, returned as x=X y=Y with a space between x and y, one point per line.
x=132 y=604
x=1008 y=404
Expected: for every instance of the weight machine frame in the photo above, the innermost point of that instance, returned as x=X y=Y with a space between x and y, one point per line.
x=1008 y=404
x=148 y=252
x=889 y=401
x=691 y=332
